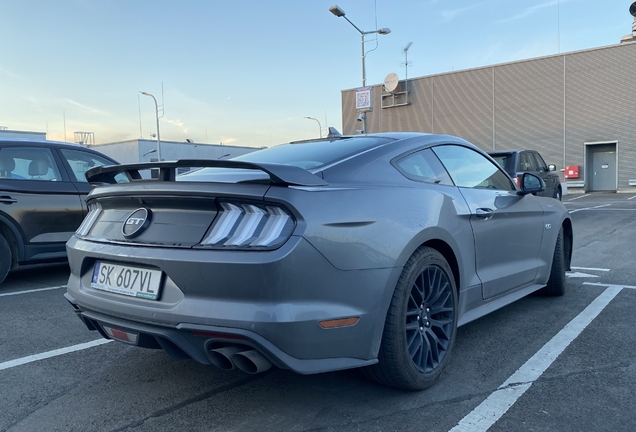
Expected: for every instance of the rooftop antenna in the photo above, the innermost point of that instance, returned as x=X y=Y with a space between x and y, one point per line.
x=406 y=63
x=141 y=135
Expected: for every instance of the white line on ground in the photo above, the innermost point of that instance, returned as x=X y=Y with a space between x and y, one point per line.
x=578 y=197
x=495 y=406
x=631 y=198
x=590 y=208
x=54 y=353
x=609 y=285
x=590 y=268
x=32 y=291
x=579 y=275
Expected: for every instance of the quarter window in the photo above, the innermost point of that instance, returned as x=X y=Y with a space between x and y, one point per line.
x=423 y=166
x=470 y=169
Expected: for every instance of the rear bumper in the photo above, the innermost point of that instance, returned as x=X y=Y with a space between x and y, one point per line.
x=270 y=301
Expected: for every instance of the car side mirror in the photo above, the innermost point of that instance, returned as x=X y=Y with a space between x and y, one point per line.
x=530 y=183
x=552 y=167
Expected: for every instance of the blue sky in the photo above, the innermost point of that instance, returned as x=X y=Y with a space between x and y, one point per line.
x=246 y=72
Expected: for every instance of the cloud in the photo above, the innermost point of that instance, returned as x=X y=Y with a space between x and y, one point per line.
x=10 y=74
x=178 y=123
x=87 y=108
x=451 y=14
x=532 y=9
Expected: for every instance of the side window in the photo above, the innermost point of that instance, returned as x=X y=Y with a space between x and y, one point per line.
x=541 y=166
x=28 y=163
x=82 y=161
x=526 y=162
x=423 y=166
x=470 y=169
x=534 y=166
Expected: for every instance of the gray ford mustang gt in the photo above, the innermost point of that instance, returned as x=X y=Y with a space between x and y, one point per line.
x=350 y=251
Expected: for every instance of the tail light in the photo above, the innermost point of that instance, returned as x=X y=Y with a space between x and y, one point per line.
x=249 y=226
x=94 y=209
x=517 y=182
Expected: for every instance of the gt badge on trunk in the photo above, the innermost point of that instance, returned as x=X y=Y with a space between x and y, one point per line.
x=136 y=223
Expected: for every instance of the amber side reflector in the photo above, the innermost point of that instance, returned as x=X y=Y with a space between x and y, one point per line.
x=343 y=322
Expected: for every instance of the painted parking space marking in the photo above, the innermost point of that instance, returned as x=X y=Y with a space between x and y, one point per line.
x=590 y=208
x=499 y=402
x=580 y=275
x=590 y=269
x=32 y=291
x=609 y=285
x=579 y=197
x=58 y=352
x=631 y=198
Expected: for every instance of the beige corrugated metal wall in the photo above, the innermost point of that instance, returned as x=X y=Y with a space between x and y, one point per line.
x=552 y=104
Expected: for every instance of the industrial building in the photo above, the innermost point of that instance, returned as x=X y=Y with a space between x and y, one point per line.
x=143 y=150
x=578 y=109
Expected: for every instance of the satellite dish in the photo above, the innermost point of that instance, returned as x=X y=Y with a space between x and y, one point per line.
x=632 y=9
x=391 y=82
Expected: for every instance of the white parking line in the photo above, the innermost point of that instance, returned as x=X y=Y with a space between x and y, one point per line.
x=609 y=285
x=590 y=208
x=495 y=406
x=54 y=353
x=579 y=197
x=32 y=291
x=631 y=198
x=590 y=269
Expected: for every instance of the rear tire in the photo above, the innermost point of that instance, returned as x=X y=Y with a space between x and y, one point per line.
x=421 y=324
x=556 y=283
x=6 y=258
x=558 y=194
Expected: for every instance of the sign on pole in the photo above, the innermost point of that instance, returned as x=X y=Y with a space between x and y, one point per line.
x=364 y=99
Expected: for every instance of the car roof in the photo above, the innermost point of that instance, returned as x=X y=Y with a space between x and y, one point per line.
x=57 y=144
x=507 y=151
x=40 y=141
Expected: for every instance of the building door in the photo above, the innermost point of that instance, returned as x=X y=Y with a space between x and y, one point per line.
x=601 y=167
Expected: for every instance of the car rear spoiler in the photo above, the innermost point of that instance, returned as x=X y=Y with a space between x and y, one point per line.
x=279 y=174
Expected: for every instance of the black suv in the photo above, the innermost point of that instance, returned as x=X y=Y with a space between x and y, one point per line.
x=42 y=191
x=517 y=162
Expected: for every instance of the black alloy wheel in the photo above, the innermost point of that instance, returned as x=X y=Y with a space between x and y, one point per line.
x=429 y=319
x=421 y=324
x=557 y=281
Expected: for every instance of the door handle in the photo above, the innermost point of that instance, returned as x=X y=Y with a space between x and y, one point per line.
x=484 y=213
x=5 y=199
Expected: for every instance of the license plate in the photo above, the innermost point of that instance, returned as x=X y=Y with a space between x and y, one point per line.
x=126 y=280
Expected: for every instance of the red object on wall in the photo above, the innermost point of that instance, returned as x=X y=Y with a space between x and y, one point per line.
x=572 y=172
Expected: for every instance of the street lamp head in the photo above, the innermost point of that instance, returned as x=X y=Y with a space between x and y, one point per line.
x=384 y=31
x=144 y=93
x=335 y=9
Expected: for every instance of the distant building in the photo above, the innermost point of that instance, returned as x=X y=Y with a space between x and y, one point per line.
x=142 y=150
x=577 y=109
x=6 y=133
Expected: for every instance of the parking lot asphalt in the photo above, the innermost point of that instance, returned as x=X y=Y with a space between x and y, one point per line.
x=540 y=364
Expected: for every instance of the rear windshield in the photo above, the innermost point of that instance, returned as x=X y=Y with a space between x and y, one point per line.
x=315 y=154
x=505 y=160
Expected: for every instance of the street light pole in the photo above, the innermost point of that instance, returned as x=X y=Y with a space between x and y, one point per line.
x=319 y=125
x=337 y=11
x=157 y=114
